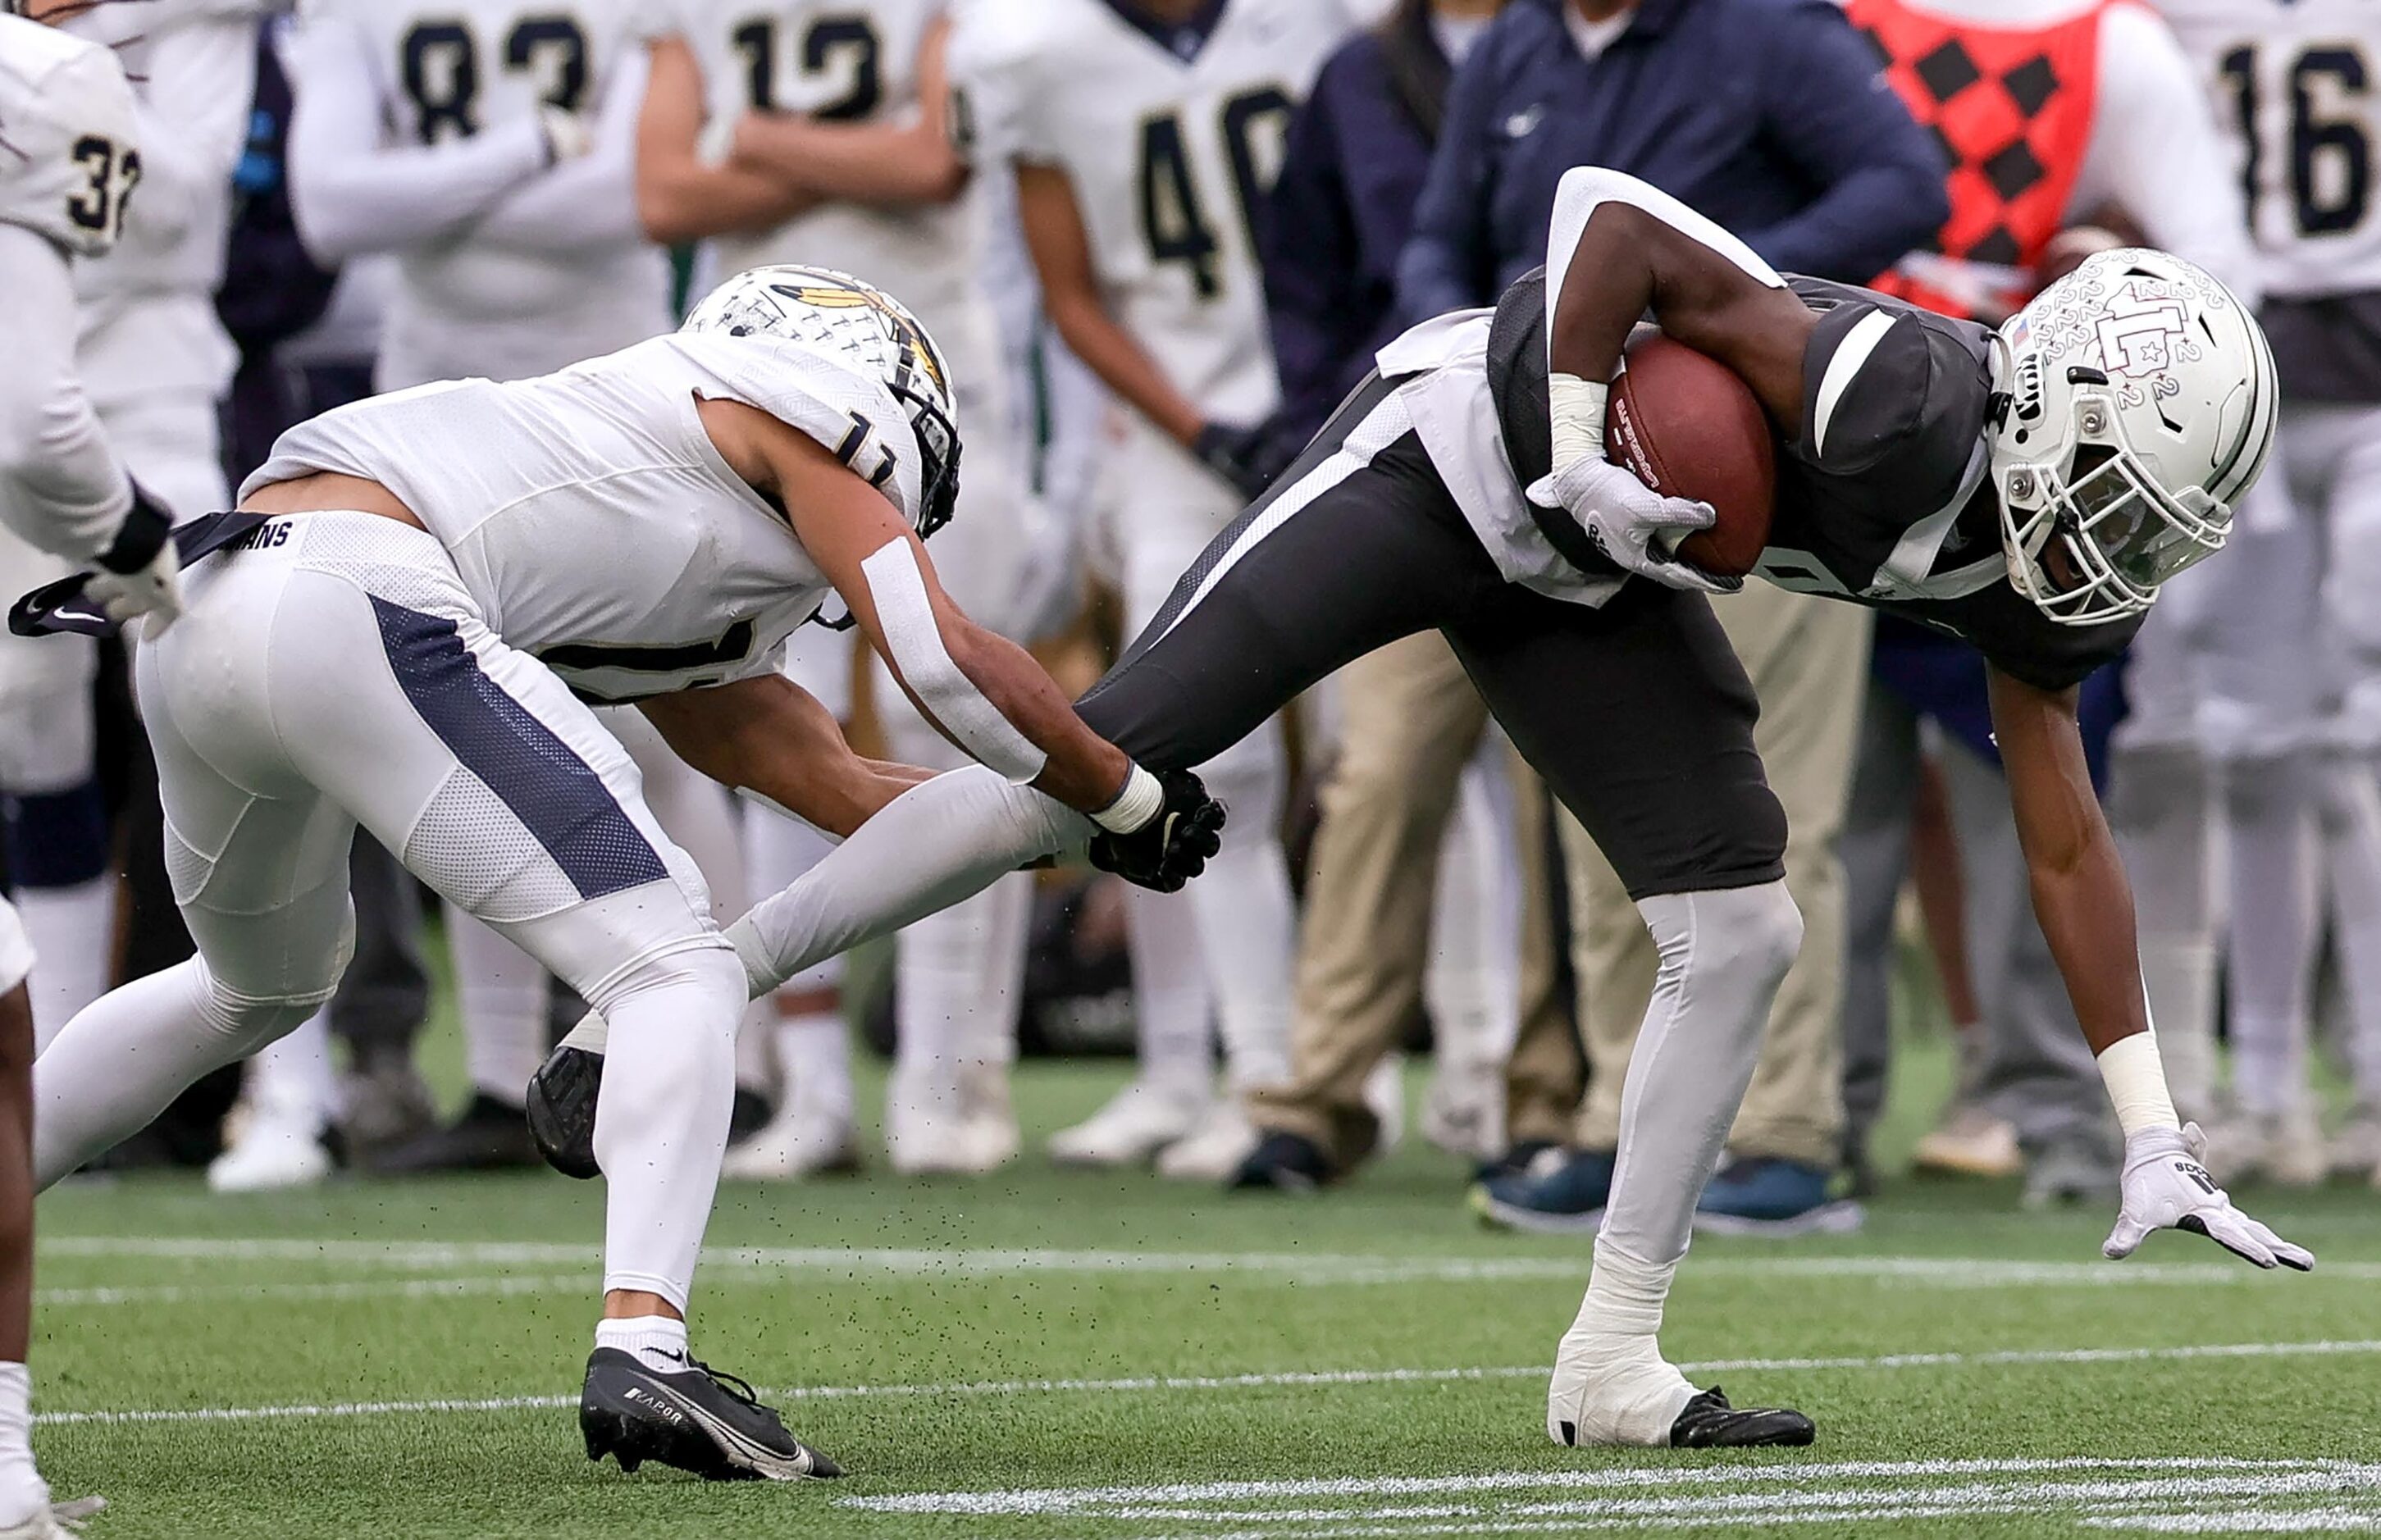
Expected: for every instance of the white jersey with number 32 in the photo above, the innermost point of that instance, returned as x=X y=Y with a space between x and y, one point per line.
x=2299 y=82
x=69 y=154
x=1171 y=140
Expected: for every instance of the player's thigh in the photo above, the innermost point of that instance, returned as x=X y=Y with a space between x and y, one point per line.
x=46 y=718
x=490 y=780
x=1639 y=718
x=2261 y=651
x=1348 y=551
x=2351 y=503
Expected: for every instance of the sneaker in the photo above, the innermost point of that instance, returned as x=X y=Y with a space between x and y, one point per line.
x=1283 y=1163
x=1562 y=1191
x=55 y=1521
x=1137 y=1122
x=1463 y=1113
x=1212 y=1152
x=2283 y=1148
x=272 y=1153
x=1764 y=1195
x=1970 y=1142
x=486 y=1136
x=2072 y=1171
x=937 y=1124
x=384 y=1103
x=1616 y=1389
x=697 y=1420
x=800 y=1143
x=2355 y=1150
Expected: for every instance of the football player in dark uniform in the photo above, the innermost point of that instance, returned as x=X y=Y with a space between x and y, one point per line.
x=2027 y=489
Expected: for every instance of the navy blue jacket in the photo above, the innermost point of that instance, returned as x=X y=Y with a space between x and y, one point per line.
x=1343 y=206
x=1769 y=116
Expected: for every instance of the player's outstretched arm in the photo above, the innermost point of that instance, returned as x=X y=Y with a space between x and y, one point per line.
x=892 y=163
x=770 y=737
x=2086 y=906
x=680 y=198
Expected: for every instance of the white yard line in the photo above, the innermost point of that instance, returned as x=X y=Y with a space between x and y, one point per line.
x=363 y=1289
x=1319 y=1267
x=1173 y=1383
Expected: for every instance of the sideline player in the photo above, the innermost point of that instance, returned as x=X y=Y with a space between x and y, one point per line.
x=820 y=131
x=68 y=156
x=1145 y=135
x=2027 y=489
x=2291 y=662
x=422 y=587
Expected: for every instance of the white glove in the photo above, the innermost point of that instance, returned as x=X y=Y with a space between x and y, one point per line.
x=567 y=136
x=1631 y=523
x=2167 y=1187
x=155 y=591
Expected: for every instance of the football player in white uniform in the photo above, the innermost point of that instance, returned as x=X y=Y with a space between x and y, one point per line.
x=813 y=132
x=68 y=156
x=489 y=148
x=1144 y=134
x=2292 y=660
x=397 y=635
x=154 y=361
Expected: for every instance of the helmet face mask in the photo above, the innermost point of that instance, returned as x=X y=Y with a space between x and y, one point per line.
x=2140 y=406
x=838 y=313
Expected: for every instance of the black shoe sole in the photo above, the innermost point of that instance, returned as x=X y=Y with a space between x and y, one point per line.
x=562 y=1111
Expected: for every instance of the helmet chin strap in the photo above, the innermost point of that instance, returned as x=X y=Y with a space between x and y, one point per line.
x=2001 y=360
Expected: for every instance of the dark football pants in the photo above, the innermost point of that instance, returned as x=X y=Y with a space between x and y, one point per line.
x=1638 y=715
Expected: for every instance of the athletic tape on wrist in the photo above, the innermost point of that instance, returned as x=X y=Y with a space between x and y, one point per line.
x=1578 y=406
x=2136 y=1080
x=1142 y=799
x=915 y=639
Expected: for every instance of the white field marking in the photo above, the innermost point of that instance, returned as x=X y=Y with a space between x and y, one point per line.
x=1319 y=1268
x=1647 y=1488
x=2304 y=1521
x=1284 y=1380
x=362 y=1289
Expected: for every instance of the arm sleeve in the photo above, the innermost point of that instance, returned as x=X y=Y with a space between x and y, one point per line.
x=352 y=196
x=1310 y=262
x=592 y=200
x=191 y=115
x=1446 y=264
x=60 y=486
x=1829 y=110
x=2156 y=152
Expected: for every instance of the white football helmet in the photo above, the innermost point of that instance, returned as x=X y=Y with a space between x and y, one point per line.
x=2138 y=406
x=838 y=312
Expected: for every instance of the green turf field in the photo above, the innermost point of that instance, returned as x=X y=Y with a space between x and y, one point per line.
x=1070 y=1355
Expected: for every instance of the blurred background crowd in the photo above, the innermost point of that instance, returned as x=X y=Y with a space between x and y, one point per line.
x=1159 y=240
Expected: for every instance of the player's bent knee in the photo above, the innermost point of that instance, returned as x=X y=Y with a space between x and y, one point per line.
x=1752 y=935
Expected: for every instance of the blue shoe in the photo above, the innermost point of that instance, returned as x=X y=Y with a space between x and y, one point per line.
x=1766 y=1196
x=1561 y=1193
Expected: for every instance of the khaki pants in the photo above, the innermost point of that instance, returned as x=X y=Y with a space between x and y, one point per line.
x=1410 y=722
x=1809 y=661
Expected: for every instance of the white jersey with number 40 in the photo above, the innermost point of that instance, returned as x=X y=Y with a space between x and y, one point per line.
x=2300 y=82
x=69 y=154
x=1172 y=139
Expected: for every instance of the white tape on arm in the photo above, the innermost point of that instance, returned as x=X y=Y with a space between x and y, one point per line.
x=1578 y=408
x=915 y=640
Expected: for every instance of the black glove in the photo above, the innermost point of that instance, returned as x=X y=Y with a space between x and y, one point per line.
x=1172 y=847
x=1238 y=455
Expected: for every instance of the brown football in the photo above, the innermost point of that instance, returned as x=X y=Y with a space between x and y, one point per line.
x=1688 y=427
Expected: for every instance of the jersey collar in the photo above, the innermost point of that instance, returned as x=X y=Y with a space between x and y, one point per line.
x=1183 y=42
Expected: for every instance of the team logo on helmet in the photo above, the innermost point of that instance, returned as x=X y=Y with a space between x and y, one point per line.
x=917 y=353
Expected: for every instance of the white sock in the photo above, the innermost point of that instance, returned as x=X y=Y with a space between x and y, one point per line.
x=22 y=1491
x=660 y=1120
x=73 y=933
x=658 y=1342
x=814 y=1057
x=501 y=994
x=1247 y=927
x=2274 y=875
x=1170 y=1003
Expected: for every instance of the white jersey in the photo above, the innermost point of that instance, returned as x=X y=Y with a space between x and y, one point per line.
x=73 y=150
x=843 y=61
x=591 y=517
x=532 y=268
x=2295 y=81
x=1172 y=139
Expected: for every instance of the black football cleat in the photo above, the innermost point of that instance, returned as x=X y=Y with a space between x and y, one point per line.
x=1709 y=1423
x=562 y=1110
x=486 y=1136
x=1283 y=1163
x=696 y=1419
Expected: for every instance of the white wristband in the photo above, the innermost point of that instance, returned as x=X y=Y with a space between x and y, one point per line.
x=1577 y=407
x=1142 y=799
x=2136 y=1080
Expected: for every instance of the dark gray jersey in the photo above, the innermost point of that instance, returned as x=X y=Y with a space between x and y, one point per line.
x=1883 y=499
